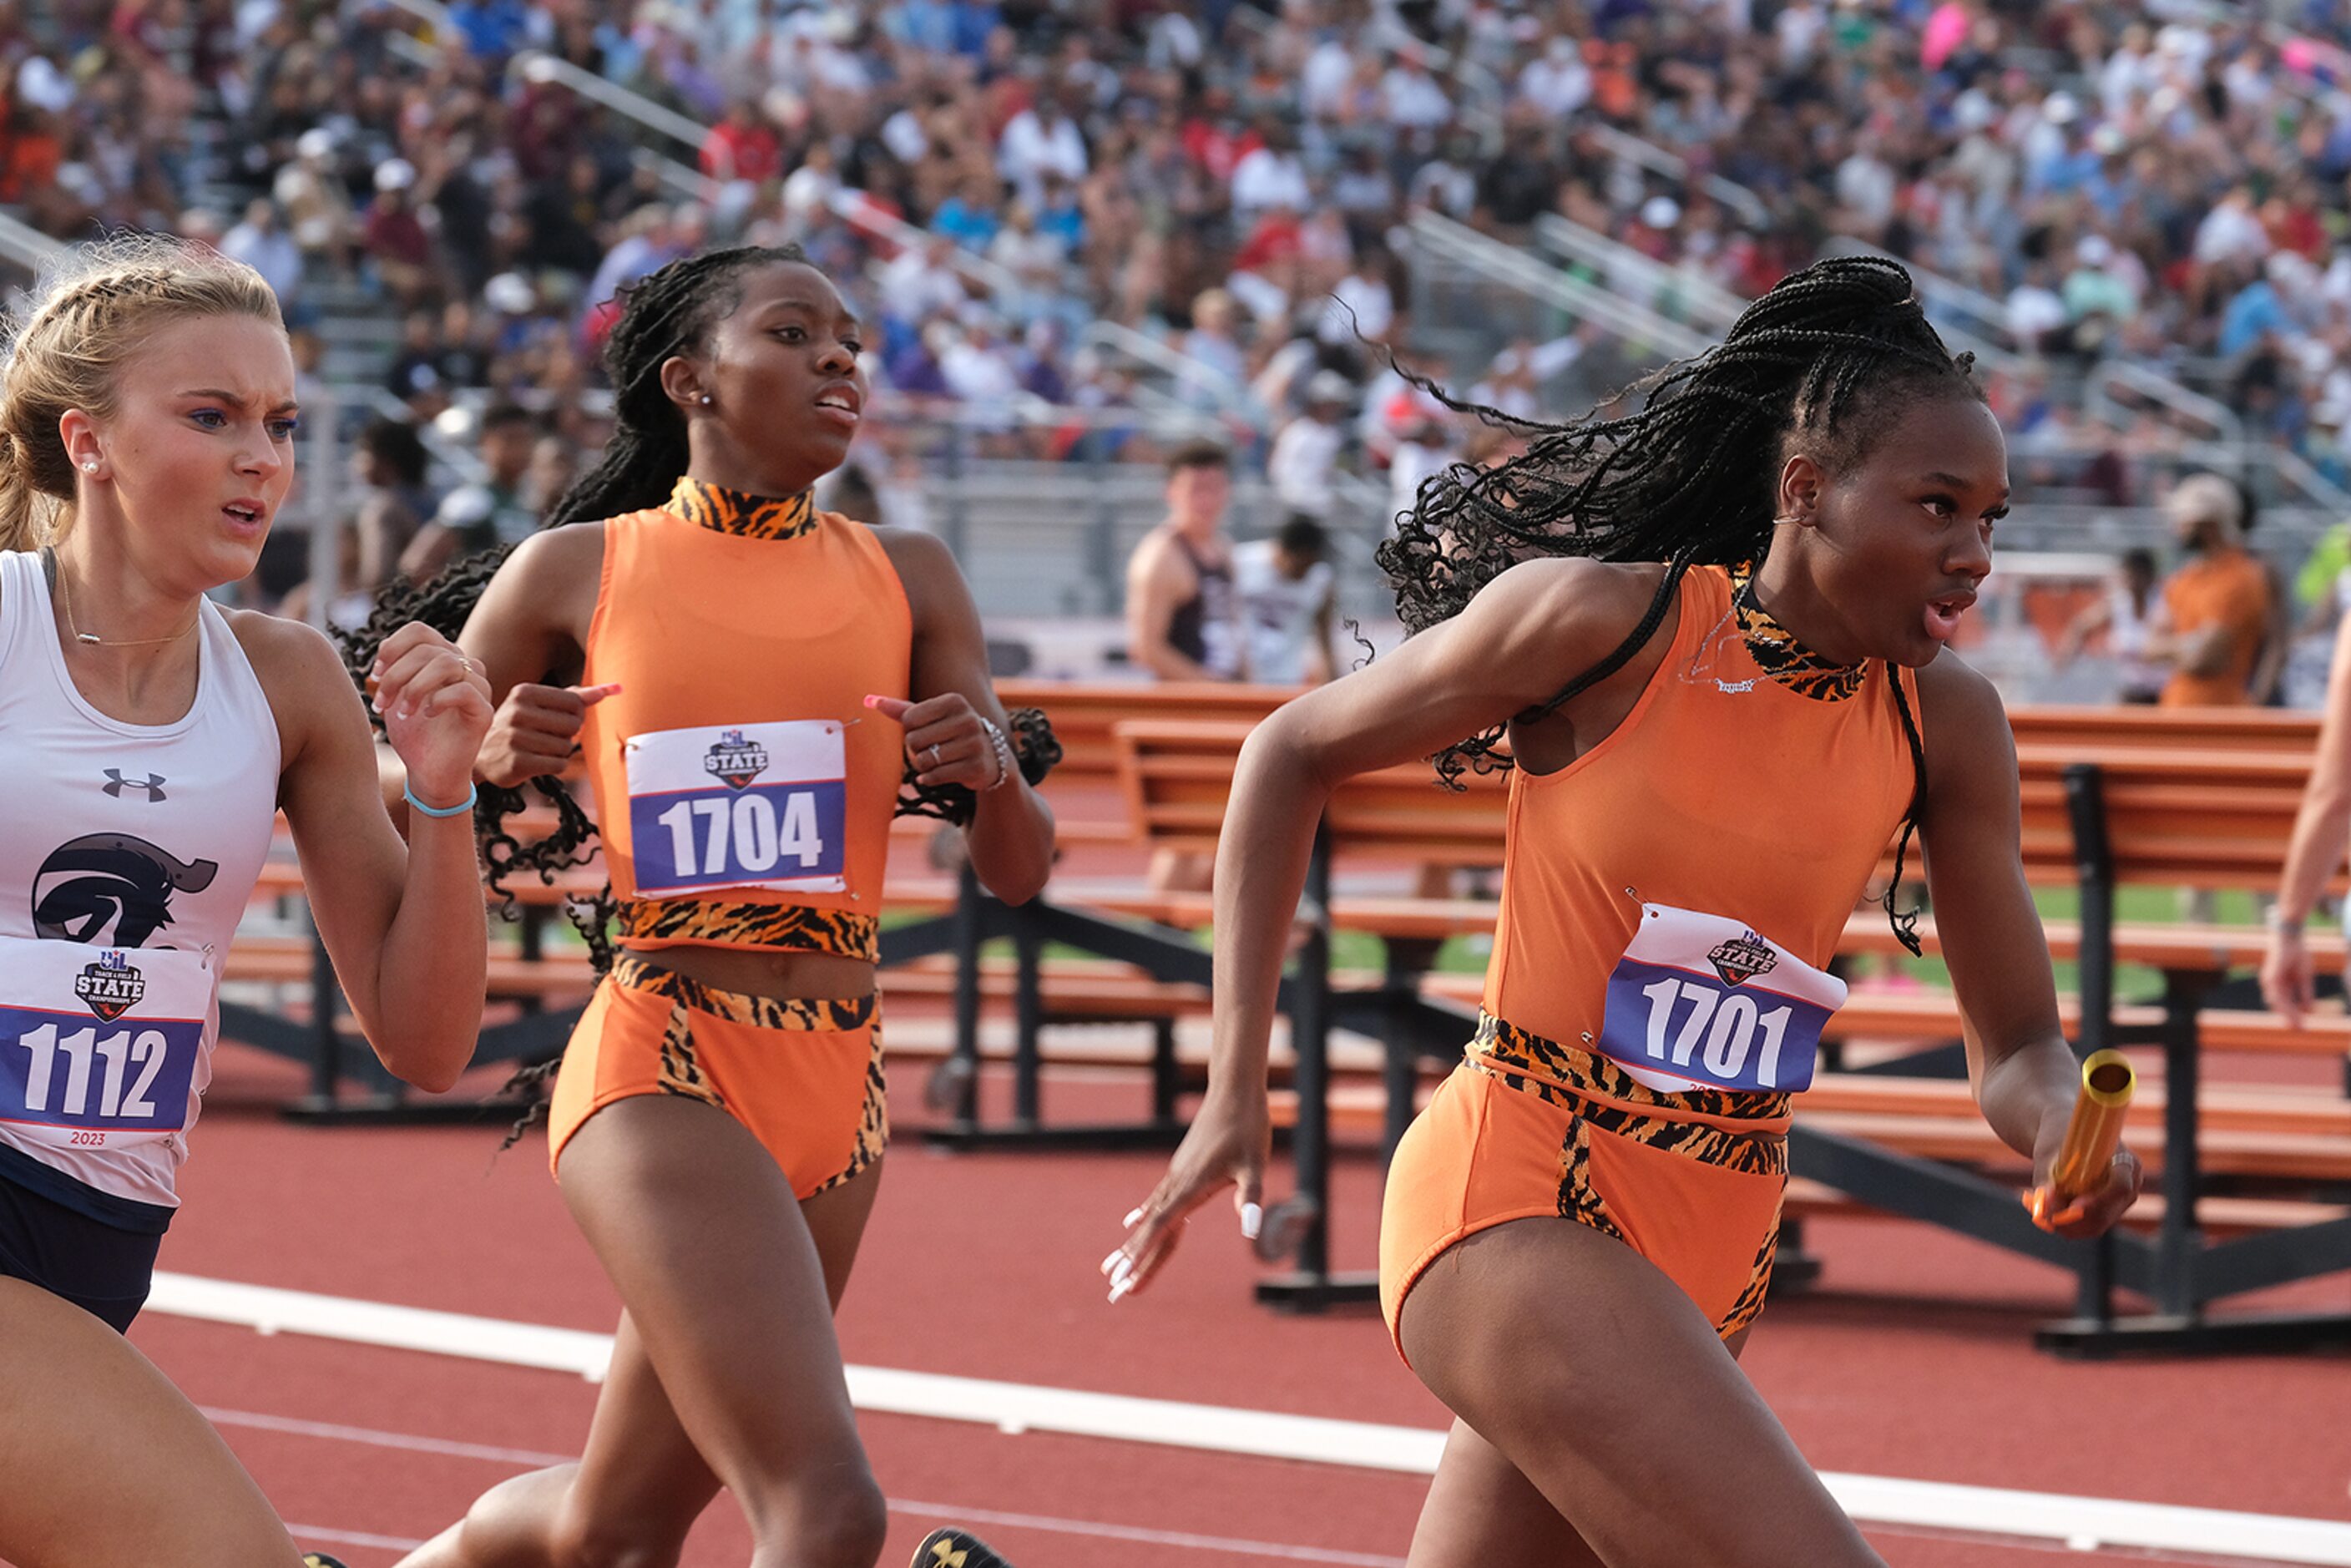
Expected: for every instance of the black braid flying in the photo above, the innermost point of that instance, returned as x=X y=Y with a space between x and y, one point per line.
x=1833 y=356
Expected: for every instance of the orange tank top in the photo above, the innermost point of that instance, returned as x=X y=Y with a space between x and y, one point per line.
x=1671 y=899
x=744 y=790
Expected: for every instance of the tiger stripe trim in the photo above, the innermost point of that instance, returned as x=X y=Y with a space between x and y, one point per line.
x=680 y=1073
x=790 y=927
x=1525 y=1060
x=1578 y=1199
x=1780 y=655
x=1750 y=1300
x=872 y=1122
x=830 y=1015
x=738 y=512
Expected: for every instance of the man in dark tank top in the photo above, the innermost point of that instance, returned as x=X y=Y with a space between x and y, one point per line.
x=1181 y=623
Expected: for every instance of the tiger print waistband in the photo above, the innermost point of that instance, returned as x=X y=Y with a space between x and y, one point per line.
x=1604 y=1091
x=823 y=1014
x=787 y=928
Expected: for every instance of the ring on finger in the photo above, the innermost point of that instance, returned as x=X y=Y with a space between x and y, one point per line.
x=934 y=756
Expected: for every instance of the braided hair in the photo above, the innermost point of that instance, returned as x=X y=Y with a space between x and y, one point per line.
x=1830 y=358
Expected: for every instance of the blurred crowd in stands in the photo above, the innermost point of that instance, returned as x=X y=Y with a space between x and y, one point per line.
x=1020 y=195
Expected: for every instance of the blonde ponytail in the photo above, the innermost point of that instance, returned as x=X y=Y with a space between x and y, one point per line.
x=69 y=348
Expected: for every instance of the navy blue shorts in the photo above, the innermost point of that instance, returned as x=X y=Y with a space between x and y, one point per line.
x=98 y=1267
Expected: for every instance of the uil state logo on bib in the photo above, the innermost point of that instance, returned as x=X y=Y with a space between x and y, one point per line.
x=112 y=985
x=735 y=760
x=1700 y=1001
x=1742 y=957
x=753 y=805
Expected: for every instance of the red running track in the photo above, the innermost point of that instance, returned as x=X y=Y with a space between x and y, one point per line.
x=1915 y=1362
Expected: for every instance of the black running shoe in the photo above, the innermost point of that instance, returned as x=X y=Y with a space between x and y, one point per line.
x=320 y=1560
x=955 y=1549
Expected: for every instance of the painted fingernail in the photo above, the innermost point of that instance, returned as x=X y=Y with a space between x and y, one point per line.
x=1120 y=1270
x=1133 y=1216
x=872 y=702
x=1114 y=1257
x=1122 y=1288
x=1252 y=1219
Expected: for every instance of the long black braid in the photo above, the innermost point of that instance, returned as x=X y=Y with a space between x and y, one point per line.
x=1832 y=356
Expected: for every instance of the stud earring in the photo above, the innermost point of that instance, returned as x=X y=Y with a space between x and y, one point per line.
x=90 y=465
x=705 y=400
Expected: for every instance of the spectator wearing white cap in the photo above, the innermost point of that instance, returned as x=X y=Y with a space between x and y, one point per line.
x=394 y=236
x=2217 y=604
x=310 y=192
x=2095 y=287
x=1305 y=452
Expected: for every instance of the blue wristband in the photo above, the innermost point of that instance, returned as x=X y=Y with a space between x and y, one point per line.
x=459 y=809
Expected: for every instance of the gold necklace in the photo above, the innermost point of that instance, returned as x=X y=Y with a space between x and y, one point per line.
x=65 y=602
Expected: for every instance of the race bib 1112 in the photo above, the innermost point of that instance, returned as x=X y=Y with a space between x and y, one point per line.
x=754 y=805
x=98 y=1045
x=1699 y=1002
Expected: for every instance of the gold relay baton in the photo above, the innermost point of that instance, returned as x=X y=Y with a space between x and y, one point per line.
x=2095 y=1129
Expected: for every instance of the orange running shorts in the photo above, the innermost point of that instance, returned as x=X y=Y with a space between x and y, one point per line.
x=1527 y=1128
x=805 y=1076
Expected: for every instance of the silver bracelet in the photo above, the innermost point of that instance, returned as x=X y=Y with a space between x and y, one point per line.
x=1003 y=757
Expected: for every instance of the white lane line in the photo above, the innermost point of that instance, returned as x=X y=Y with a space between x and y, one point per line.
x=531 y=1459
x=1019 y=1408
x=521 y=1458
x=936 y=1512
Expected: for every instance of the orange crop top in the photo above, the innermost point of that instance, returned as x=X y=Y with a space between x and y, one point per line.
x=744 y=790
x=1671 y=899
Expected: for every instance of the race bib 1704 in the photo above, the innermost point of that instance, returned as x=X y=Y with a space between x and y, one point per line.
x=98 y=1045
x=754 y=805
x=1698 y=1001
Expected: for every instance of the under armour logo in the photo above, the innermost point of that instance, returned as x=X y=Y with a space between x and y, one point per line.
x=116 y=784
x=945 y=1555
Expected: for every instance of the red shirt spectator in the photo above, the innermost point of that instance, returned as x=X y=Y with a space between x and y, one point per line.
x=393 y=230
x=1278 y=238
x=740 y=147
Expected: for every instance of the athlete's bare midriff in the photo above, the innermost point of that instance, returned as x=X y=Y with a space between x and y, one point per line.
x=781 y=975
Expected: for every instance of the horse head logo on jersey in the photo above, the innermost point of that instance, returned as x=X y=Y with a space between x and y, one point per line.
x=112 y=985
x=1742 y=958
x=112 y=888
x=735 y=760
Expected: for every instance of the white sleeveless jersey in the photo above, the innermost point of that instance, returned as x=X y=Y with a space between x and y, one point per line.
x=128 y=853
x=1278 y=613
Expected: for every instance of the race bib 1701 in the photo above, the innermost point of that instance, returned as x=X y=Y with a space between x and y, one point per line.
x=1698 y=1001
x=754 y=805
x=98 y=1045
